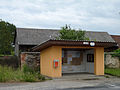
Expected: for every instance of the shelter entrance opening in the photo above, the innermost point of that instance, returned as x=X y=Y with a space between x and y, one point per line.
x=77 y=60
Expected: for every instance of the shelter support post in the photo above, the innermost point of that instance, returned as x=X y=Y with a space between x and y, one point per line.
x=99 y=61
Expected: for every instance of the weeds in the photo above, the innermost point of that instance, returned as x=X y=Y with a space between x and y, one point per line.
x=8 y=74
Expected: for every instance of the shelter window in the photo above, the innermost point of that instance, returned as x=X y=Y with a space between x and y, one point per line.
x=90 y=57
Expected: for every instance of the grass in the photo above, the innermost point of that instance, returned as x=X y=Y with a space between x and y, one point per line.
x=114 y=72
x=1 y=55
x=8 y=74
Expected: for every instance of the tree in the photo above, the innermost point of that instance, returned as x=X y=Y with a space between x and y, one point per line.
x=67 y=33
x=7 y=33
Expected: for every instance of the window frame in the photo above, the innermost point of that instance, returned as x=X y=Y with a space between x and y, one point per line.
x=90 y=57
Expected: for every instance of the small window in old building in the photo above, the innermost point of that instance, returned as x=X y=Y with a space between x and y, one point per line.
x=90 y=57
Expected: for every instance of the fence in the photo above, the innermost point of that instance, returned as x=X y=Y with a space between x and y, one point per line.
x=12 y=61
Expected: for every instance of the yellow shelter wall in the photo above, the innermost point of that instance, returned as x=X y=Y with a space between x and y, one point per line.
x=47 y=57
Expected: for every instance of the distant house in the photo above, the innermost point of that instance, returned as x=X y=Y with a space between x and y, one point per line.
x=117 y=39
x=65 y=56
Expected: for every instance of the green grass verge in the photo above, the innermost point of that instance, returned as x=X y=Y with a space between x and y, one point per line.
x=5 y=55
x=8 y=74
x=114 y=72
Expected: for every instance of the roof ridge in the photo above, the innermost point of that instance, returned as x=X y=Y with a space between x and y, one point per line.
x=37 y=29
x=79 y=40
x=55 y=29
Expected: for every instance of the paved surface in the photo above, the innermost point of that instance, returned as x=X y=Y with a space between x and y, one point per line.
x=69 y=82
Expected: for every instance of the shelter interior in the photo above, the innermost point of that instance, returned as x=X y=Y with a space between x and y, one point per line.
x=76 y=60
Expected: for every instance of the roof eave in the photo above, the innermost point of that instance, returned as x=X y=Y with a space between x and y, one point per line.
x=71 y=43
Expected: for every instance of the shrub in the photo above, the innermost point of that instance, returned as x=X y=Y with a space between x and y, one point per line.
x=116 y=53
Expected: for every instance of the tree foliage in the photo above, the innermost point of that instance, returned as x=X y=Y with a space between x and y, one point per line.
x=67 y=33
x=7 y=33
x=116 y=53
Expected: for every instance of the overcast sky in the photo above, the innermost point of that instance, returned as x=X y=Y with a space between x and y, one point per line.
x=92 y=15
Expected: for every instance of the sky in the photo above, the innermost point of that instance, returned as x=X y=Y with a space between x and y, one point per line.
x=89 y=15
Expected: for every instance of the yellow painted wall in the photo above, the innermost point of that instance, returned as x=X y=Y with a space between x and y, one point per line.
x=55 y=53
x=99 y=61
x=47 y=57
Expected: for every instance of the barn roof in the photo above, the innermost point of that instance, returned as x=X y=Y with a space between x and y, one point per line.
x=29 y=36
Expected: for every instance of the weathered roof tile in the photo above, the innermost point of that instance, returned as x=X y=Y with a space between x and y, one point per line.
x=28 y=36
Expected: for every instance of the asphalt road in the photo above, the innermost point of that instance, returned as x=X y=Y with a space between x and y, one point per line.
x=107 y=86
x=68 y=82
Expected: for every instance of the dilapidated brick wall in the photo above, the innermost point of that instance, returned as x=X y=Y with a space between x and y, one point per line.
x=32 y=59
